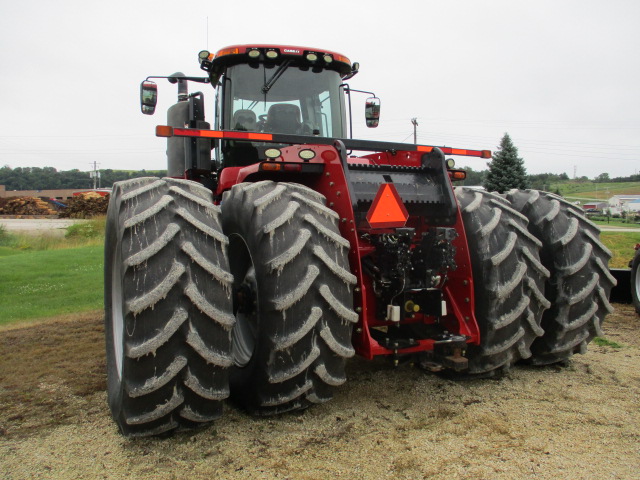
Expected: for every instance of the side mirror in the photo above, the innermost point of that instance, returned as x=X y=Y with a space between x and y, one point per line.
x=148 y=97
x=372 y=111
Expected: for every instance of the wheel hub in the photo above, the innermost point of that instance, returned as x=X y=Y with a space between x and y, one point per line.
x=244 y=332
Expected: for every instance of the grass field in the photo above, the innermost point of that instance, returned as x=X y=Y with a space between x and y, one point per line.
x=615 y=222
x=44 y=276
x=46 y=283
x=601 y=191
x=621 y=245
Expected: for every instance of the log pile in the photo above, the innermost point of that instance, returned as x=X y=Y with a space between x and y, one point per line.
x=27 y=206
x=85 y=205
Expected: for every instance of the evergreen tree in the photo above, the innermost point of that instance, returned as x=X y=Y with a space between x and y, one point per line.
x=506 y=170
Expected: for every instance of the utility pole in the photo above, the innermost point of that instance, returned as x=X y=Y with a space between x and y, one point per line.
x=95 y=174
x=414 y=121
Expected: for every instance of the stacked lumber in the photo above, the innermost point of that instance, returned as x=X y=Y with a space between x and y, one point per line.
x=85 y=205
x=27 y=206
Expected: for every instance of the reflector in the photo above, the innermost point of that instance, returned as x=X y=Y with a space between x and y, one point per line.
x=164 y=131
x=270 y=166
x=387 y=209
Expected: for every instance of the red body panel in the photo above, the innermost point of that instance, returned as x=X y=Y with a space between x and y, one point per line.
x=332 y=183
x=458 y=290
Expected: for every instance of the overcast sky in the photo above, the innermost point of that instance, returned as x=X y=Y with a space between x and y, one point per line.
x=561 y=77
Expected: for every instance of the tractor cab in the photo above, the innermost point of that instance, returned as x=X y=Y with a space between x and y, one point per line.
x=276 y=89
x=261 y=88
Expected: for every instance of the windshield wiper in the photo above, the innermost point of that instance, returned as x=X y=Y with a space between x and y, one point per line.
x=274 y=78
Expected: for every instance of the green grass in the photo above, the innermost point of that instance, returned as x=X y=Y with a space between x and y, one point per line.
x=592 y=190
x=46 y=283
x=46 y=275
x=603 y=342
x=6 y=251
x=93 y=229
x=90 y=232
x=621 y=245
x=615 y=222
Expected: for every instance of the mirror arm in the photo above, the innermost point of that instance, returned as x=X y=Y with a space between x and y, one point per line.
x=362 y=91
x=174 y=79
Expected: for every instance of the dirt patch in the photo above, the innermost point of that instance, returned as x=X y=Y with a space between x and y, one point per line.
x=46 y=369
x=579 y=422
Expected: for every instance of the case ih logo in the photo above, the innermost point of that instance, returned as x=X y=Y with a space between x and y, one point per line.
x=290 y=50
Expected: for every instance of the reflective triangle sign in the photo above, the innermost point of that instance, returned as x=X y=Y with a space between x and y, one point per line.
x=387 y=209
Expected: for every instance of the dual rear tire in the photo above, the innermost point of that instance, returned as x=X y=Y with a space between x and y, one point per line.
x=508 y=281
x=541 y=276
x=167 y=306
x=579 y=284
x=262 y=312
x=293 y=305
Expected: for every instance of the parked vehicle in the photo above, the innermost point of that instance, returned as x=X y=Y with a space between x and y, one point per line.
x=274 y=253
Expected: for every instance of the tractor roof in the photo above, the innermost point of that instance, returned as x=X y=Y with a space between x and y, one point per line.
x=235 y=54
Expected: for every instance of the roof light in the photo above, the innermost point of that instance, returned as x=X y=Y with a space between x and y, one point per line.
x=205 y=57
x=272 y=153
x=342 y=58
x=451 y=163
x=311 y=57
x=328 y=58
x=458 y=174
x=271 y=54
x=253 y=53
x=228 y=51
x=306 y=154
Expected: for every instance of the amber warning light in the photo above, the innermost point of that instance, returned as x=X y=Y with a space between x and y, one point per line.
x=387 y=209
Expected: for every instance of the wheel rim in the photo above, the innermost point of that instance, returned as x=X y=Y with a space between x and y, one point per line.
x=637 y=282
x=117 y=319
x=245 y=303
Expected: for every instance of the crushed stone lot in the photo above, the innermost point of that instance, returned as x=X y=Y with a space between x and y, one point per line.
x=581 y=421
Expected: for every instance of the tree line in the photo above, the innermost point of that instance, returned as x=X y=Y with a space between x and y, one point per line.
x=48 y=178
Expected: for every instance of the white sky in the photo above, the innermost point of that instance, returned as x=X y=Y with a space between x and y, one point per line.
x=562 y=77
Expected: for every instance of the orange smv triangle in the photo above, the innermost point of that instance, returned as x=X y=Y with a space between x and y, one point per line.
x=387 y=209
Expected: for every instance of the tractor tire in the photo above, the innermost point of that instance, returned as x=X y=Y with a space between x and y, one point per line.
x=508 y=281
x=292 y=297
x=168 y=306
x=580 y=281
x=635 y=281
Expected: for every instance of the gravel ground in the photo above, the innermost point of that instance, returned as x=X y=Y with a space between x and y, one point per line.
x=579 y=422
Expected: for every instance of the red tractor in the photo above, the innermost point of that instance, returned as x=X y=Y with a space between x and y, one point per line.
x=272 y=253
